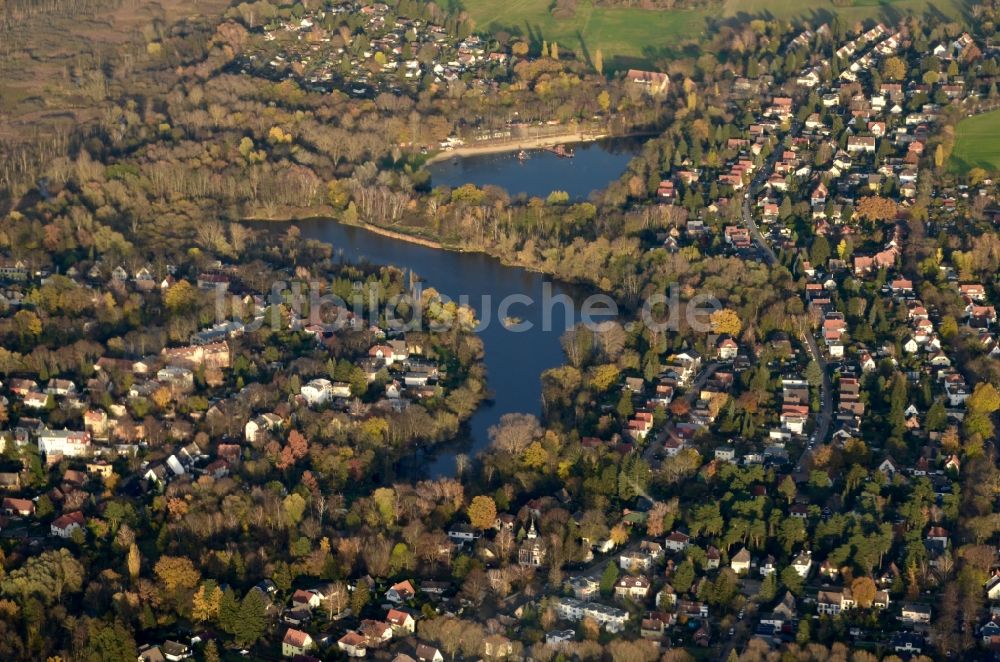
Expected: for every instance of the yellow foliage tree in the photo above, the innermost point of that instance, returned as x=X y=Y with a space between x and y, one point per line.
x=726 y=321
x=176 y=572
x=482 y=512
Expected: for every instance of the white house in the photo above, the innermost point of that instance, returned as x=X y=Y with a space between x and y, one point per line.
x=295 y=643
x=69 y=443
x=612 y=618
x=259 y=424
x=677 y=541
x=64 y=525
x=317 y=392
x=740 y=563
x=803 y=563
x=352 y=643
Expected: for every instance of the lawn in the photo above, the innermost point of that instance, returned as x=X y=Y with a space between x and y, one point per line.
x=626 y=37
x=631 y=37
x=977 y=143
x=860 y=10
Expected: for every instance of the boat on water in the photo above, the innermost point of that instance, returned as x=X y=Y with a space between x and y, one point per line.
x=561 y=151
x=522 y=155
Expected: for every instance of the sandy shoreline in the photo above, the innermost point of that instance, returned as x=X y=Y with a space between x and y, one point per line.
x=514 y=145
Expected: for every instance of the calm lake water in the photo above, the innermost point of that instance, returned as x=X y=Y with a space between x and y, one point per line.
x=592 y=167
x=514 y=360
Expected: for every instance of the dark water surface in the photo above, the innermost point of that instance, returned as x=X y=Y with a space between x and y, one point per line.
x=514 y=360
x=592 y=167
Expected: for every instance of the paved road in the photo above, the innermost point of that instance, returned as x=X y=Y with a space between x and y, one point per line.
x=801 y=472
x=740 y=636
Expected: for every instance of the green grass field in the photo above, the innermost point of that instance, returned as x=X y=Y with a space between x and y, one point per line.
x=977 y=143
x=637 y=37
x=859 y=11
x=624 y=36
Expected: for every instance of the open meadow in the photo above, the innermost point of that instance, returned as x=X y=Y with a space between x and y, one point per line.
x=637 y=37
x=977 y=143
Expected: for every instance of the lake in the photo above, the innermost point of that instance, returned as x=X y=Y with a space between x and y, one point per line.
x=592 y=167
x=514 y=360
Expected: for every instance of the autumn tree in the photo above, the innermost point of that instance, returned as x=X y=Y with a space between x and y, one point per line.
x=180 y=297
x=483 y=512
x=27 y=325
x=726 y=322
x=787 y=489
x=619 y=534
x=515 y=432
x=894 y=69
x=656 y=519
x=206 y=601
x=863 y=589
x=876 y=208
x=176 y=572
x=133 y=562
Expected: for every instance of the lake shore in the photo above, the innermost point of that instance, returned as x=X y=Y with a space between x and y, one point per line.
x=314 y=214
x=567 y=138
x=324 y=213
x=515 y=145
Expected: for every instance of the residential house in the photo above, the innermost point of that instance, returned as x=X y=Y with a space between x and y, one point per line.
x=425 y=653
x=259 y=425
x=375 y=632
x=68 y=443
x=634 y=588
x=557 y=637
x=175 y=651
x=832 y=603
x=296 y=642
x=914 y=614
x=803 y=563
x=861 y=144
x=740 y=563
x=654 y=82
x=612 y=618
x=907 y=642
x=15 y=506
x=677 y=541
x=400 y=592
x=352 y=643
x=64 y=525
x=401 y=622
x=635 y=561
x=727 y=349
x=317 y=392
x=992 y=584
x=584 y=588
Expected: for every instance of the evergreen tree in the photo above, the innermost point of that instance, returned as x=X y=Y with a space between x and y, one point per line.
x=229 y=611
x=252 y=621
x=609 y=578
x=819 y=253
x=211 y=651
x=683 y=576
x=625 y=409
